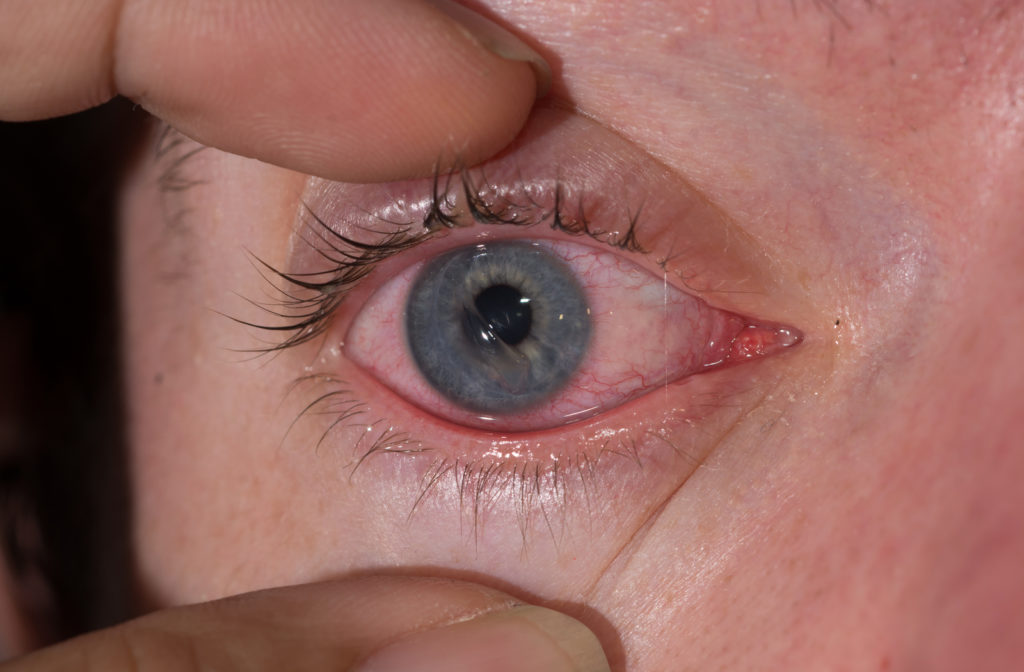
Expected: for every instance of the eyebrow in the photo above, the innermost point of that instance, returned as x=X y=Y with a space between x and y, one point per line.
x=173 y=156
x=172 y=153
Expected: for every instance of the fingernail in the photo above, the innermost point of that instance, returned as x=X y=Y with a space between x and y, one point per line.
x=520 y=639
x=497 y=40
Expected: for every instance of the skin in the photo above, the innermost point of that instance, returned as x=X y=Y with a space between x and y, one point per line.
x=849 y=503
x=300 y=84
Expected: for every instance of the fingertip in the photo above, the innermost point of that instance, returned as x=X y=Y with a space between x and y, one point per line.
x=348 y=90
x=498 y=41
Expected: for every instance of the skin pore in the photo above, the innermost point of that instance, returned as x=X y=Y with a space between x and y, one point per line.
x=850 y=170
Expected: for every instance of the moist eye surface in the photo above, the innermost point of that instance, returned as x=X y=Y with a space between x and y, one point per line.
x=497 y=327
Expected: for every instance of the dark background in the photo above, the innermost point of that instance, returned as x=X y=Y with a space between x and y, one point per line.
x=63 y=506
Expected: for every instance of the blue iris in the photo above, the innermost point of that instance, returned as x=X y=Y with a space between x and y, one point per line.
x=498 y=327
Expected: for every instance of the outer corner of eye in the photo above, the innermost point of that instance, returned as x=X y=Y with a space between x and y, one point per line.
x=519 y=335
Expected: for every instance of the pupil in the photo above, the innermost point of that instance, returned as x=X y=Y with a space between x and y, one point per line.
x=505 y=312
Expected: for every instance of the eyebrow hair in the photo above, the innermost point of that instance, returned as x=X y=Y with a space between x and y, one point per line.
x=174 y=150
x=173 y=155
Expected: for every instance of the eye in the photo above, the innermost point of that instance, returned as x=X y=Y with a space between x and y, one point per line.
x=431 y=307
x=518 y=335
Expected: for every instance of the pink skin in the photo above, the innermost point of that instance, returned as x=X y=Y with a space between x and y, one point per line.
x=849 y=503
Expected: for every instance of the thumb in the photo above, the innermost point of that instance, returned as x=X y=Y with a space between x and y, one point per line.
x=368 y=624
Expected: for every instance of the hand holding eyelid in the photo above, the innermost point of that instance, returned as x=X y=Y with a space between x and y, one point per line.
x=366 y=624
x=351 y=90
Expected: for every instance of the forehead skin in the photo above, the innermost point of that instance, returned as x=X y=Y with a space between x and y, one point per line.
x=875 y=151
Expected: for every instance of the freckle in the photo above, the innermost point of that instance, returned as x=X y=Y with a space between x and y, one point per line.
x=158 y=379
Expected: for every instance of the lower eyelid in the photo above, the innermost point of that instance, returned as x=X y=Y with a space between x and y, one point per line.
x=642 y=449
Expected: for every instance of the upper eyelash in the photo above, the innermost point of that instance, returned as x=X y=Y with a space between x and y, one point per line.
x=307 y=303
x=308 y=316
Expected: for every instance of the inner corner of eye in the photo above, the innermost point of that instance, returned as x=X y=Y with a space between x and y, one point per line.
x=522 y=335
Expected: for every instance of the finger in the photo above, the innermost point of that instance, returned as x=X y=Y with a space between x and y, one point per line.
x=356 y=90
x=382 y=624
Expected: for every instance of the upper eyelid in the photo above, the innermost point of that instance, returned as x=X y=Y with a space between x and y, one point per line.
x=688 y=237
x=307 y=316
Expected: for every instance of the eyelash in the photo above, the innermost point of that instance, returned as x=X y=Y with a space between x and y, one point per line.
x=307 y=317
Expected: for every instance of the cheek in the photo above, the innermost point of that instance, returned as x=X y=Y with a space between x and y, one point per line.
x=199 y=412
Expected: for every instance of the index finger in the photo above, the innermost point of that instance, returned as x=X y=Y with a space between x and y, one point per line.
x=353 y=90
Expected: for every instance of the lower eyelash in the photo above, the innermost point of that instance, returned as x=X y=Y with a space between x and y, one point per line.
x=478 y=483
x=339 y=403
x=538 y=491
